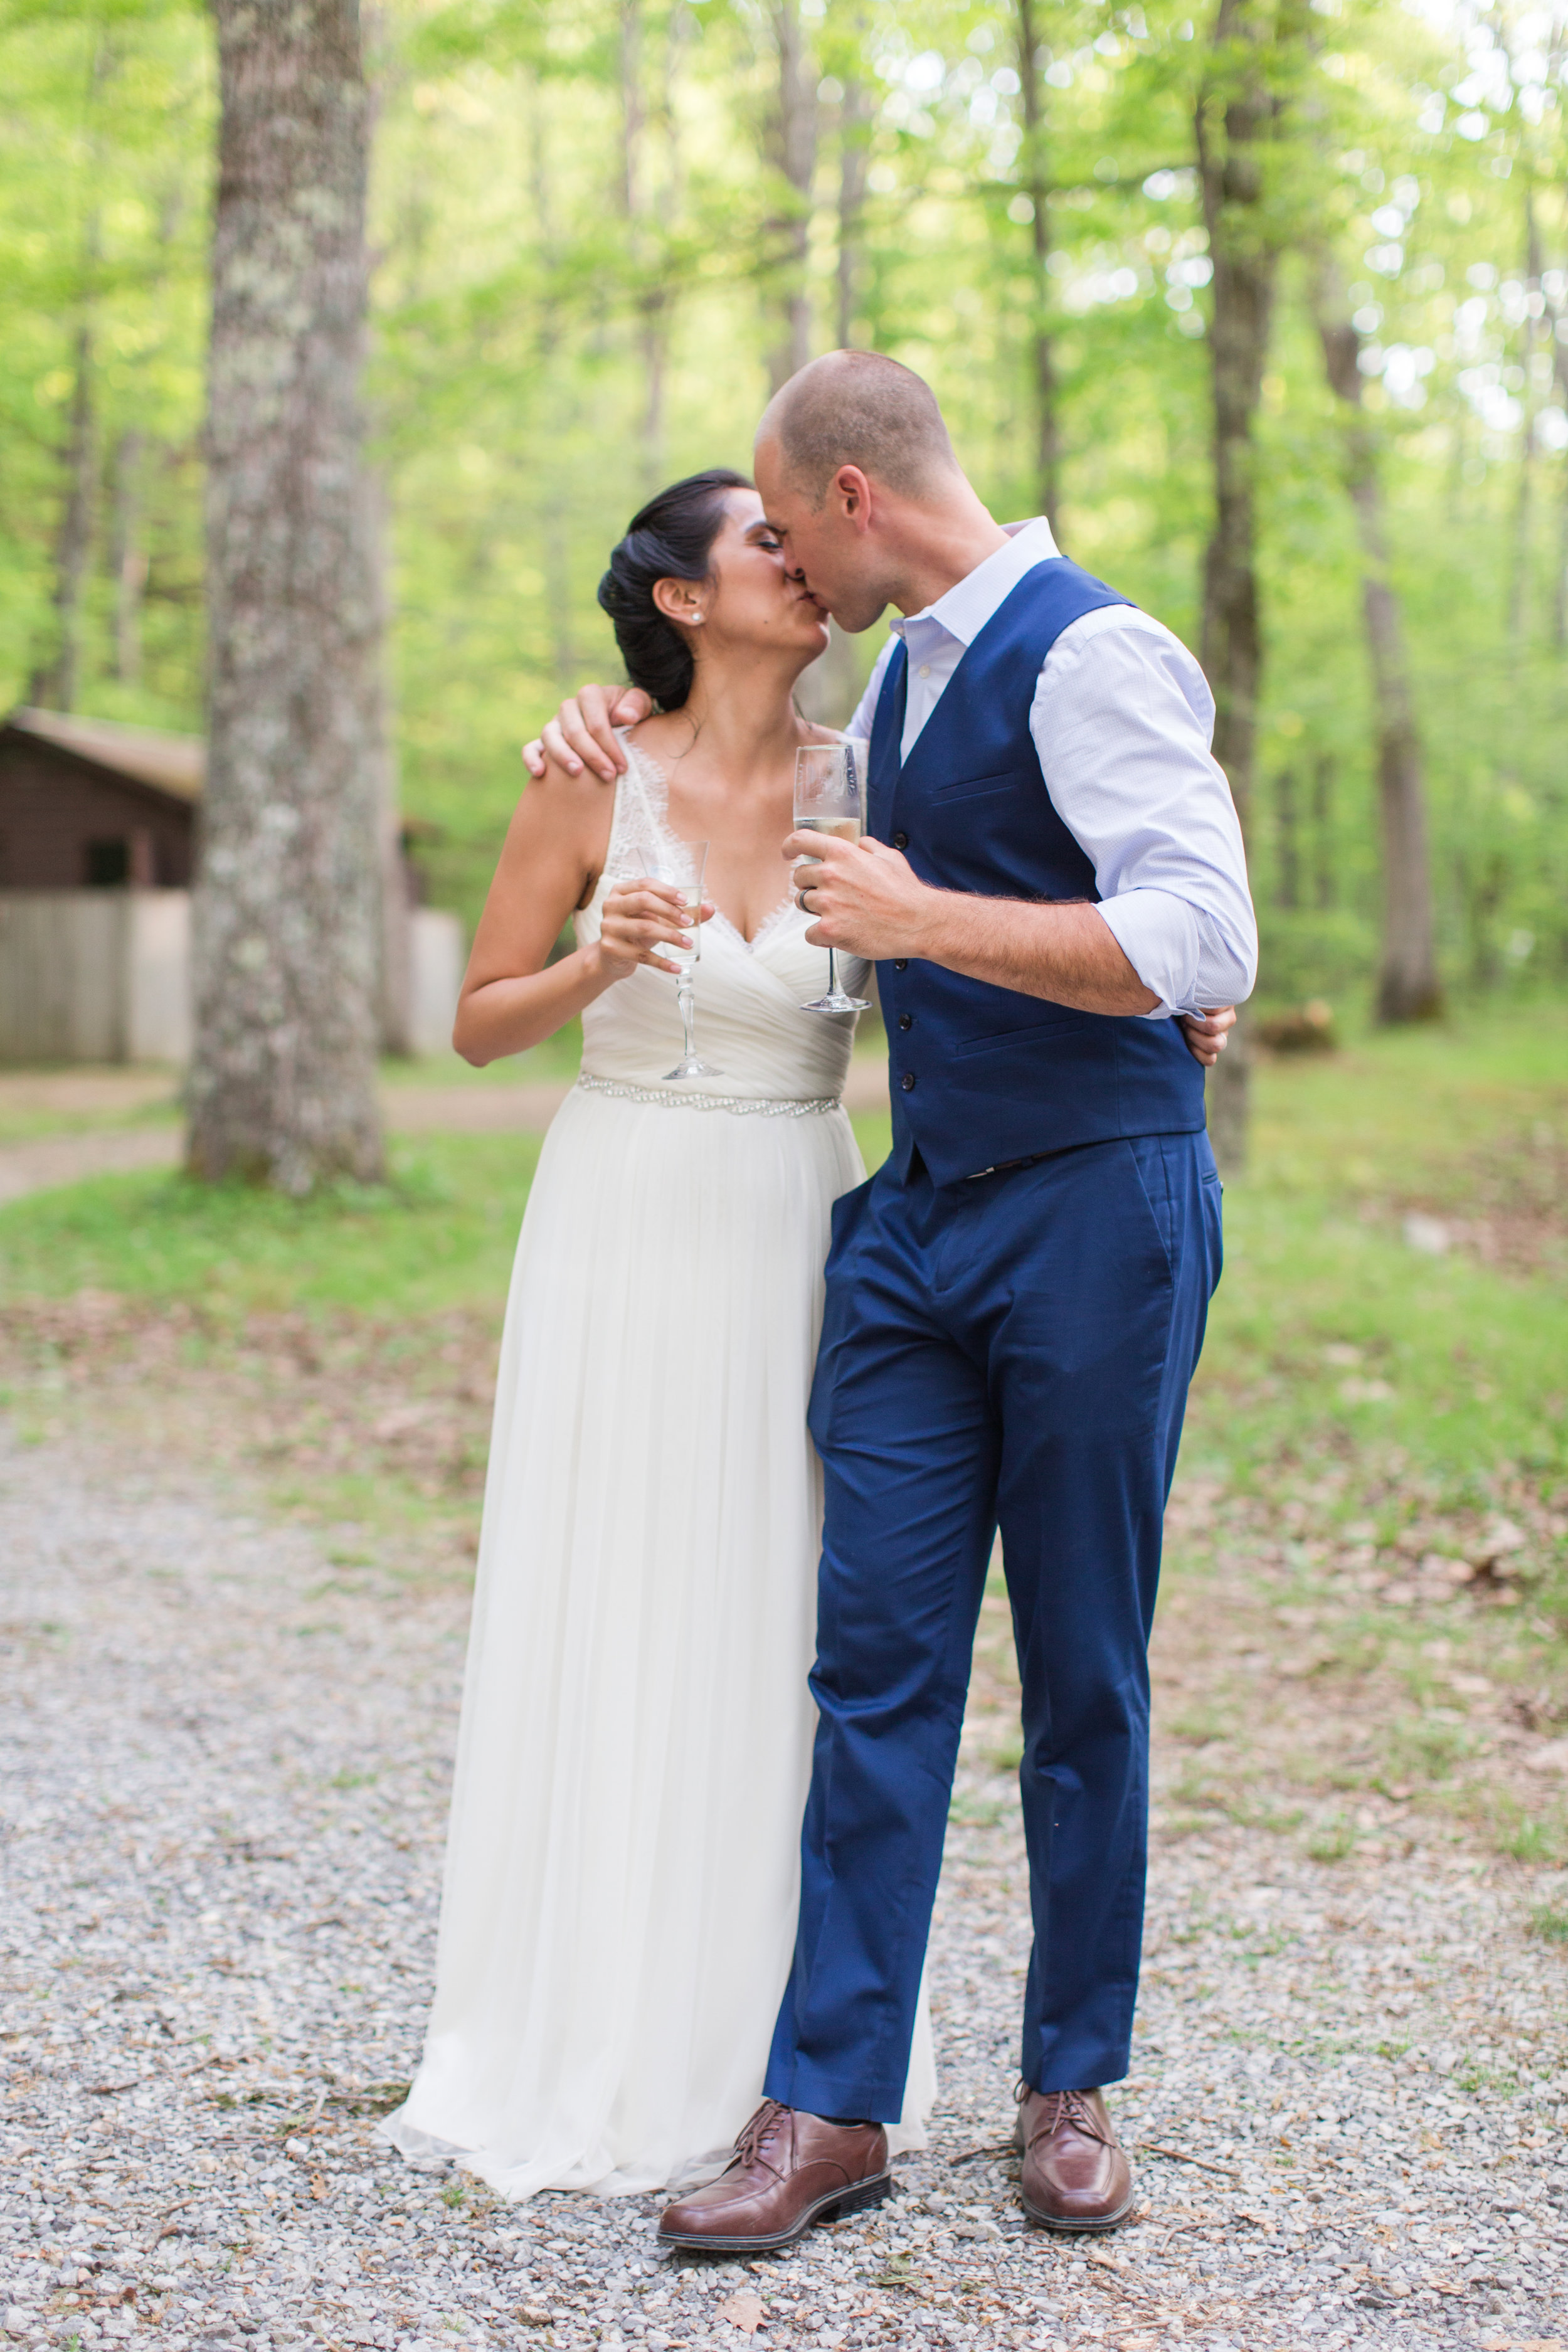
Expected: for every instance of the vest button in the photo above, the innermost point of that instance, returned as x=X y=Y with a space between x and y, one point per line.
x=900 y=841
x=901 y=963
x=906 y=1020
x=908 y=1082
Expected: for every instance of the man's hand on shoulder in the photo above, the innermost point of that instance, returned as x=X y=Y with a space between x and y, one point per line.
x=582 y=733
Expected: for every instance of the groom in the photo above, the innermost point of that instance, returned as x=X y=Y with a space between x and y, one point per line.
x=1016 y=1301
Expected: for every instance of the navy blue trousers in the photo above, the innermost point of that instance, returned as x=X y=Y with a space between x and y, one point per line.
x=1014 y=1350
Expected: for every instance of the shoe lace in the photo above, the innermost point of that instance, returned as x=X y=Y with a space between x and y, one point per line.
x=1065 y=2107
x=752 y=2145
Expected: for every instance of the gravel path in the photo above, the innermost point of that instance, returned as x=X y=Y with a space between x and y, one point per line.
x=224 y=1774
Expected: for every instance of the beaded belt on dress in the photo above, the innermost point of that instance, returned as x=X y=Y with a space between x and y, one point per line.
x=762 y=1106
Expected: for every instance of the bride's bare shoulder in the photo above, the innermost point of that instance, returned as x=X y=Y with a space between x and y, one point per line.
x=817 y=734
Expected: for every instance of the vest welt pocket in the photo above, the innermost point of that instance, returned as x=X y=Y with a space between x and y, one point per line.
x=999 y=1041
x=963 y=788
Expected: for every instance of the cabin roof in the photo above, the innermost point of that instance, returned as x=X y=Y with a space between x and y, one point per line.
x=171 y=764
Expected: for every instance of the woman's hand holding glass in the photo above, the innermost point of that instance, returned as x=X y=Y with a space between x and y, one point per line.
x=639 y=918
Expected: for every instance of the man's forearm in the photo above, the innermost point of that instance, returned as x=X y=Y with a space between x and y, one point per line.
x=867 y=899
x=1068 y=953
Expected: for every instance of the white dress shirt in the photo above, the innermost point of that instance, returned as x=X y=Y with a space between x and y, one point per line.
x=1122 y=721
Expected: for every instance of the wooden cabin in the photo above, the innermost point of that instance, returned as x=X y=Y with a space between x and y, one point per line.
x=97 y=826
x=89 y=804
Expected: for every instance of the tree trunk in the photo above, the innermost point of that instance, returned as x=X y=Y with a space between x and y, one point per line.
x=1524 y=504
x=1235 y=118
x=651 y=297
x=792 y=152
x=1407 y=987
x=1035 y=178
x=282 y=1086
x=555 y=536
x=1323 y=831
x=54 y=682
x=854 y=157
x=130 y=557
x=1557 y=328
x=1290 y=892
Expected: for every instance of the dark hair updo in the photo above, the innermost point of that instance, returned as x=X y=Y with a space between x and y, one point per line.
x=669 y=538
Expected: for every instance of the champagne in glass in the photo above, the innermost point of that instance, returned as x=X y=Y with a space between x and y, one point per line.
x=681 y=864
x=829 y=798
x=670 y=950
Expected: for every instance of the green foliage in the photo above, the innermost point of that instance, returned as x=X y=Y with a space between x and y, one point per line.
x=581 y=238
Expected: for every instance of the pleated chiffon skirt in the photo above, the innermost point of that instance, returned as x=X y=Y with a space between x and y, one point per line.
x=619 y=1900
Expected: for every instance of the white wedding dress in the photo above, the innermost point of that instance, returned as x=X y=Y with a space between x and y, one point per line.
x=619 y=1903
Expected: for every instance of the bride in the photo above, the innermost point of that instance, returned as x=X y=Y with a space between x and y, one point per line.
x=618 y=1909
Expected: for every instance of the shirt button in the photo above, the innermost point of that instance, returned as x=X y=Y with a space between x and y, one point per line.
x=908 y=1082
x=906 y=1020
x=900 y=841
x=901 y=963
x=925 y=669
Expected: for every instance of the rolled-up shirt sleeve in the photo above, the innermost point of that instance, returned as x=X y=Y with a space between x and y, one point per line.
x=1124 y=720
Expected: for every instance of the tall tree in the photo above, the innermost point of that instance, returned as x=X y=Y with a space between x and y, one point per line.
x=638 y=206
x=54 y=681
x=791 y=147
x=854 y=157
x=1407 y=984
x=1035 y=179
x=1524 y=503
x=127 y=557
x=282 y=1086
x=1560 y=581
x=1237 y=115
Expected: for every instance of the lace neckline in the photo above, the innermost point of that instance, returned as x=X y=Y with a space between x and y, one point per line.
x=651 y=789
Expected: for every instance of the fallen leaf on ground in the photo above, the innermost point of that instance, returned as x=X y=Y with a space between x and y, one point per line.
x=742 y=2310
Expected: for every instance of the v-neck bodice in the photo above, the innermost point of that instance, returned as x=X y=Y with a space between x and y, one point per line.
x=749 y=993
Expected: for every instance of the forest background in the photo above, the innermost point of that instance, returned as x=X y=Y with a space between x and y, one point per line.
x=603 y=232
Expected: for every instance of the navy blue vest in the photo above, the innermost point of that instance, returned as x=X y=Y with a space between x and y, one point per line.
x=980 y=1074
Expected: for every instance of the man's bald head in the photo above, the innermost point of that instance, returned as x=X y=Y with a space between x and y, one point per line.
x=858 y=408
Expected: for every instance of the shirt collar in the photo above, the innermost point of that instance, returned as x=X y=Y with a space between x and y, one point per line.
x=966 y=607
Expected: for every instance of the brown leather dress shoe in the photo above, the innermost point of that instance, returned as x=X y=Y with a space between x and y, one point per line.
x=1074 y=2174
x=789 y=2169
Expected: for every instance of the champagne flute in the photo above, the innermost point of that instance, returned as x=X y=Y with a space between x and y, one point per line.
x=829 y=797
x=681 y=864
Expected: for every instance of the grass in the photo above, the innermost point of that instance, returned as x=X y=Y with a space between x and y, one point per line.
x=1329 y=1329
x=439 y=1235
x=1364 y=1410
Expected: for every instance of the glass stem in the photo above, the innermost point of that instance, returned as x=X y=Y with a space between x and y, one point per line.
x=832 y=975
x=683 y=997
